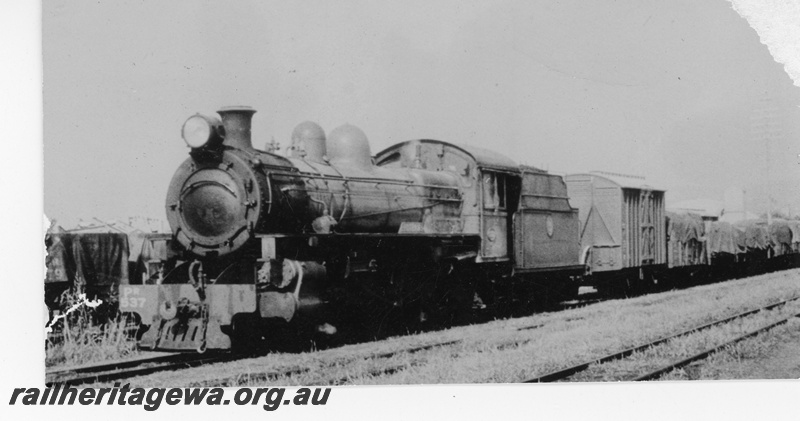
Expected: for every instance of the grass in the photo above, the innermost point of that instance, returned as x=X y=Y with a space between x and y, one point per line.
x=686 y=346
x=497 y=352
x=745 y=360
x=81 y=338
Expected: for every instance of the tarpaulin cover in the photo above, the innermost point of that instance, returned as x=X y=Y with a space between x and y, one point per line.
x=725 y=238
x=795 y=227
x=155 y=248
x=686 y=239
x=685 y=227
x=780 y=233
x=136 y=240
x=91 y=259
x=756 y=234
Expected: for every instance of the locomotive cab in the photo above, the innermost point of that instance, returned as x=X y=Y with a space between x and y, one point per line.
x=527 y=228
x=522 y=214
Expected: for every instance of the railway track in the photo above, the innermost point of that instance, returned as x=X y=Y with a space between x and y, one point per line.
x=655 y=374
x=555 y=376
x=110 y=372
x=102 y=373
x=271 y=375
x=399 y=367
x=568 y=372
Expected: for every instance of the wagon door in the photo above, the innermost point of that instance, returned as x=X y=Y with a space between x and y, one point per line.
x=646 y=237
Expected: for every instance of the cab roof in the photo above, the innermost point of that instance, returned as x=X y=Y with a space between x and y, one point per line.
x=483 y=157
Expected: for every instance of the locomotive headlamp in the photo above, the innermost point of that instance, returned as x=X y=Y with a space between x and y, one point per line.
x=200 y=130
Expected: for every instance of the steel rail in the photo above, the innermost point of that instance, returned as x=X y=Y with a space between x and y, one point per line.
x=705 y=354
x=270 y=375
x=412 y=350
x=569 y=371
x=246 y=378
x=376 y=372
x=111 y=372
x=102 y=373
x=531 y=327
x=395 y=368
x=114 y=365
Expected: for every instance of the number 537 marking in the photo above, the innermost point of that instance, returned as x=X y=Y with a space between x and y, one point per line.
x=132 y=302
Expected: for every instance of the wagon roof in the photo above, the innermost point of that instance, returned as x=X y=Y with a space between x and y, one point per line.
x=484 y=157
x=622 y=180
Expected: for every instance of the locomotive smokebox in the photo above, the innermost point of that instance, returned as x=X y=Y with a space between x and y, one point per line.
x=237 y=121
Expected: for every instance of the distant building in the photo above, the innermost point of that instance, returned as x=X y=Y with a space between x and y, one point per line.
x=708 y=209
x=97 y=225
x=735 y=208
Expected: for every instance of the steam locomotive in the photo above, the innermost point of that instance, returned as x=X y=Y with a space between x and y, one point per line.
x=331 y=237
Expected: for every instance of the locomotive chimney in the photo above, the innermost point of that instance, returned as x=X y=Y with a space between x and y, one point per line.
x=237 y=122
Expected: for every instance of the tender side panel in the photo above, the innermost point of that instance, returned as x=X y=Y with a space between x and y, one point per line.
x=546 y=227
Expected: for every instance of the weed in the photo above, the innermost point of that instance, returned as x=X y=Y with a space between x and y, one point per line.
x=86 y=334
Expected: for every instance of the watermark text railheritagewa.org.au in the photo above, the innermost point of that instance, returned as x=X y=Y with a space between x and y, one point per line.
x=270 y=398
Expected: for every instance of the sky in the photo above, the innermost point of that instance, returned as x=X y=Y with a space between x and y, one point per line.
x=665 y=90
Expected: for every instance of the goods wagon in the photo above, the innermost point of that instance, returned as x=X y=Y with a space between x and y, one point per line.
x=685 y=240
x=622 y=228
x=94 y=264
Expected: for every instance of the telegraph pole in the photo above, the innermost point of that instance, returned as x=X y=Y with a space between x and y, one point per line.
x=769 y=183
x=765 y=127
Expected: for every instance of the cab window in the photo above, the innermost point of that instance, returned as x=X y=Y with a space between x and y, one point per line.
x=494 y=191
